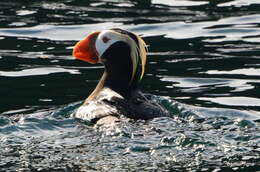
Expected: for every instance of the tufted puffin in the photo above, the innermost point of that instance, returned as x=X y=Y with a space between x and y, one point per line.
x=117 y=94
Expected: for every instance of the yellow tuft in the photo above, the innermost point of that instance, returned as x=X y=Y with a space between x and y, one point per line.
x=138 y=52
x=142 y=54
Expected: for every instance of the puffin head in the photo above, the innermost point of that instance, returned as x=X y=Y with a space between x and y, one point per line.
x=114 y=47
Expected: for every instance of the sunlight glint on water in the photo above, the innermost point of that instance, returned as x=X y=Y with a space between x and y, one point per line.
x=203 y=66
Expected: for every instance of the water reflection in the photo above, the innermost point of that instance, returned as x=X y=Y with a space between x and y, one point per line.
x=203 y=66
x=38 y=71
x=233 y=101
x=249 y=71
x=211 y=49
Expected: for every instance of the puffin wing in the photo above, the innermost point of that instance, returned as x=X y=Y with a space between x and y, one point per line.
x=142 y=108
x=103 y=105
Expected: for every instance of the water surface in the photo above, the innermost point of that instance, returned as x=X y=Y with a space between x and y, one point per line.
x=203 y=66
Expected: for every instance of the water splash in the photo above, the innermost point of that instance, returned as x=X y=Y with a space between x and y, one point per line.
x=187 y=141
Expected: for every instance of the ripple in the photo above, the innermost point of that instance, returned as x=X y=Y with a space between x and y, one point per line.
x=237 y=85
x=248 y=72
x=176 y=30
x=233 y=101
x=238 y=3
x=38 y=71
x=57 y=32
x=24 y=12
x=179 y=3
x=181 y=30
x=160 y=144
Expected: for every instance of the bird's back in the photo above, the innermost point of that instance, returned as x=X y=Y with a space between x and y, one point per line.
x=110 y=103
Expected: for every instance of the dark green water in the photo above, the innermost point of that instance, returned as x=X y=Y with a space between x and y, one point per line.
x=203 y=66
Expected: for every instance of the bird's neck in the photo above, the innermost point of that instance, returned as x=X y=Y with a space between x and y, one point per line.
x=118 y=72
x=119 y=80
x=116 y=81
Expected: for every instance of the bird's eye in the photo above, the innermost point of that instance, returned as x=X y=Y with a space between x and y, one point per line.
x=105 y=39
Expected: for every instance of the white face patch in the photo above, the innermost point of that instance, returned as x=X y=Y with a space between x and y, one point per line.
x=138 y=50
x=105 y=39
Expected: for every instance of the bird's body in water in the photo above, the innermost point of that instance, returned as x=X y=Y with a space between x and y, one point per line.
x=117 y=94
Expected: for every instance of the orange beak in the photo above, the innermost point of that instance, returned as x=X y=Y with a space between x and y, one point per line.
x=85 y=49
